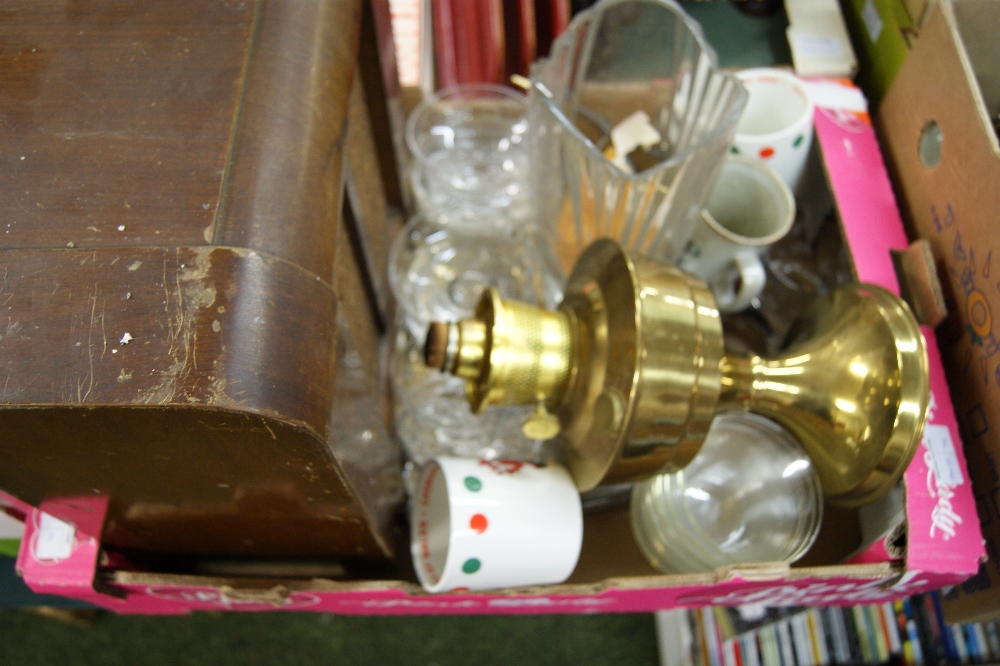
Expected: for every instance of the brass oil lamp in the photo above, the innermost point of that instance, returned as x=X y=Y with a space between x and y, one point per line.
x=630 y=371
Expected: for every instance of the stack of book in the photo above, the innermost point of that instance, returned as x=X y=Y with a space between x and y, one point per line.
x=911 y=631
x=444 y=43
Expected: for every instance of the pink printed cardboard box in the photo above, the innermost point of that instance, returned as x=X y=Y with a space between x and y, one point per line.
x=944 y=543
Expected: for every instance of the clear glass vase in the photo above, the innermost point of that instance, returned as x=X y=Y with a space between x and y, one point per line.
x=619 y=57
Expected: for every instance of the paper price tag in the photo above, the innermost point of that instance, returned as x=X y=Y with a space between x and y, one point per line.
x=944 y=460
x=55 y=539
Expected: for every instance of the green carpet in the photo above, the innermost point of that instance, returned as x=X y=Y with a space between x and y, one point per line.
x=303 y=639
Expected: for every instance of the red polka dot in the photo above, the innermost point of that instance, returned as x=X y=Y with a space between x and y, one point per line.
x=766 y=152
x=479 y=523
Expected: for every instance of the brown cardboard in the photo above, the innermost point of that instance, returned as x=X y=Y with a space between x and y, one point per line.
x=919 y=282
x=609 y=560
x=954 y=205
x=916 y=10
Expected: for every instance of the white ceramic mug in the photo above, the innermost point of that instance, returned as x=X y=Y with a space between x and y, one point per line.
x=749 y=208
x=481 y=525
x=777 y=124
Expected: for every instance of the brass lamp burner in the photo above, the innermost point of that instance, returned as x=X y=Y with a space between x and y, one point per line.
x=630 y=371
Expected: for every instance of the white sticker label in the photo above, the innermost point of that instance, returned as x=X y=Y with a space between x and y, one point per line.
x=55 y=539
x=937 y=439
x=872 y=20
x=819 y=46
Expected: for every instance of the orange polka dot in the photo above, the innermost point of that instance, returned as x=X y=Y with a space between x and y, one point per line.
x=479 y=523
x=766 y=152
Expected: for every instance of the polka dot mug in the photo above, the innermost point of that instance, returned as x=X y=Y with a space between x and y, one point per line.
x=487 y=524
x=777 y=124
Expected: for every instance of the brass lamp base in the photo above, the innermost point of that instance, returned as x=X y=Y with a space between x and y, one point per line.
x=852 y=387
x=633 y=370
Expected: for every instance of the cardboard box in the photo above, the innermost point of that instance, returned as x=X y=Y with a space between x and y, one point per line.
x=945 y=543
x=950 y=191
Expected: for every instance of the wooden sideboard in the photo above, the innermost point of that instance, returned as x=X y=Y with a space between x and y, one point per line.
x=196 y=203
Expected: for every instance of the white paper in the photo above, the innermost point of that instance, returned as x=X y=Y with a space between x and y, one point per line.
x=55 y=538
x=937 y=439
x=631 y=133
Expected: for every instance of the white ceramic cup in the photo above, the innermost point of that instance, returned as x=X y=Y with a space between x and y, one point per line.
x=481 y=525
x=748 y=209
x=777 y=124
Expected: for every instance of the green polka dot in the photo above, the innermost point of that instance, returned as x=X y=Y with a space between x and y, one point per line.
x=734 y=150
x=473 y=484
x=798 y=140
x=471 y=565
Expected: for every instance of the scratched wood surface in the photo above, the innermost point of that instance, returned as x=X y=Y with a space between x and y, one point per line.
x=185 y=324
x=116 y=119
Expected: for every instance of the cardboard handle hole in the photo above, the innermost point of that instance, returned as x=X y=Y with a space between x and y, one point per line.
x=929 y=144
